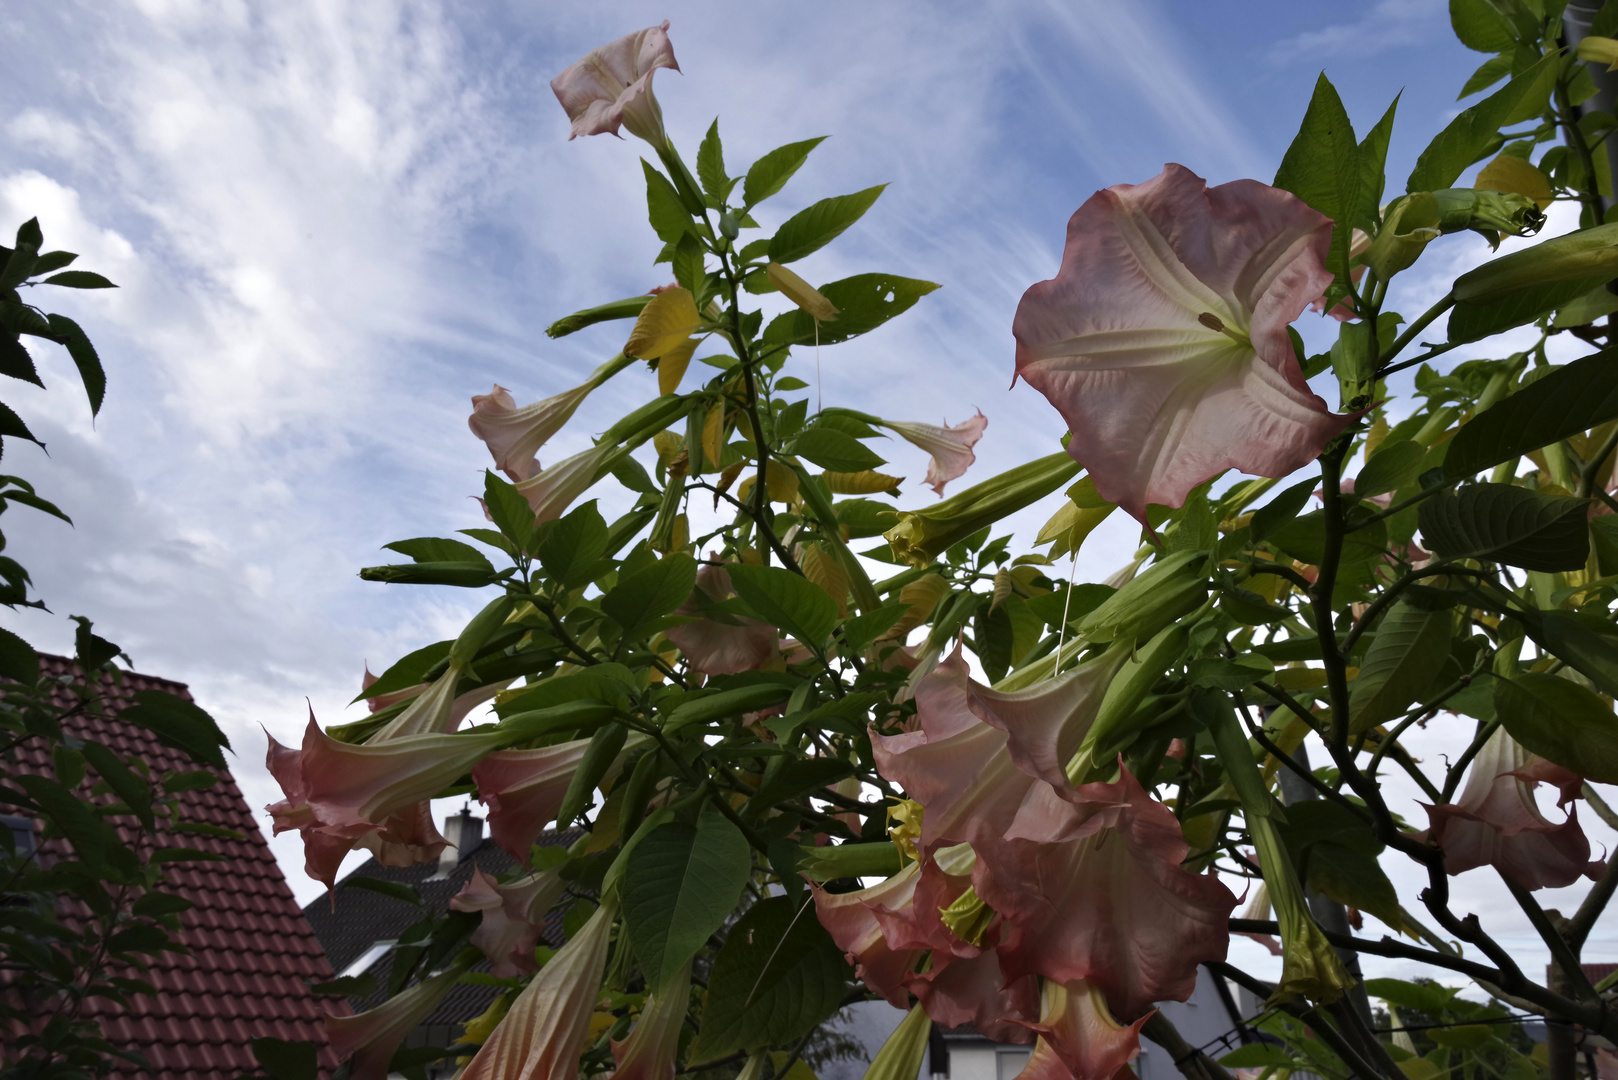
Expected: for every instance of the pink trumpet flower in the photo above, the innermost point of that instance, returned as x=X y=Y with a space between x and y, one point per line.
x=649 y=1052
x=450 y=719
x=1090 y=885
x=1163 y=339
x=551 y=491
x=975 y=754
x=372 y=1037
x=950 y=447
x=1497 y=823
x=523 y=790
x=514 y=436
x=1078 y=1038
x=851 y=920
x=542 y=1035
x=513 y=917
x=720 y=644
x=612 y=85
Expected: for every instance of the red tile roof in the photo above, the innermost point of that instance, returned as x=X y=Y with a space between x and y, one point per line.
x=252 y=953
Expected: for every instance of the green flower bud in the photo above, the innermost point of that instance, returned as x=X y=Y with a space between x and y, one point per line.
x=1146 y=604
x=922 y=535
x=901 y=1056
x=1590 y=254
x=1488 y=212
x=1410 y=224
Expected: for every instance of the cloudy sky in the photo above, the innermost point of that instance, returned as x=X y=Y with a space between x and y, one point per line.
x=333 y=222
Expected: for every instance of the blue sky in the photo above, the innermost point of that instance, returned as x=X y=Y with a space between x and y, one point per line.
x=334 y=222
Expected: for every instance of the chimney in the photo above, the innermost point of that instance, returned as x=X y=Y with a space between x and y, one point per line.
x=464 y=832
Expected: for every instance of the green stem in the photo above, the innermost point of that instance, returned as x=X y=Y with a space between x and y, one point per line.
x=1422 y=322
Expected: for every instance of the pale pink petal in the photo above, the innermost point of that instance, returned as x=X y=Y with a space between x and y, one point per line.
x=1090 y=885
x=1156 y=399
x=551 y=491
x=649 y=1052
x=613 y=85
x=371 y=1038
x=1569 y=785
x=542 y=1035
x=462 y=704
x=851 y=920
x=950 y=447
x=513 y=917
x=720 y=644
x=1077 y=1030
x=1497 y=823
x=514 y=436
x=523 y=790
x=974 y=990
x=406 y=838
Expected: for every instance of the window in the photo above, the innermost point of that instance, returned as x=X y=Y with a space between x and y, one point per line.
x=1008 y=1063
x=363 y=962
x=22 y=834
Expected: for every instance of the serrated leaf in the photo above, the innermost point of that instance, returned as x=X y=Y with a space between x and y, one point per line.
x=1507 y=524
x=1400 y=665
x=1562 y=722
x=18 y=660
x=777 y=977
x=786 y=600
x=835 y=451
x=1570 y=400
x=1470 y=135
x=864 y=302
x=134 y=792
x=817 y=225
x=11 y=424
x=771 y=172
x=77 y=342
x=71 y=816
x=15 y=361
x=680 y=885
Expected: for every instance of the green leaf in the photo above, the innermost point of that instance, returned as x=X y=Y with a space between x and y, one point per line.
x=777 y=977
x=1218 y=673
x=1488 y=73
x=72 y=817
x=395 y=890
x=572 y=547
x=1373 y=160
x=11 y=424
x=813 y=227
x=681 y=883
x=18 y=660
x=1586 y=642
x=1507 y=524
x=688 y=264
x=1475 y=131
x=1281 y=509
x=1572 y=399
x=605 y=746
x=771 y=172
x=20 y=261
x=863 y=629
x=1562 y=722
x=863 y=302
x=1480 y=26
x=131 y=789
x=77 y=342
x=793 y=778
x=1304 y=539
x=409 y=670
x=78 y=279
x=788 y=601
x=285 y=1060
x=463 y=573
x=15 y=361
x=52 y=260
x=711 y=167
x=1260 y=1055
x=437 y=549
x=1400 y=665
x=1393 y=466
x=161 y=903
x=835 y=451
x=511 y=513
x=664 y=208
x=642 y=598
x=1472 y=320
x=1322 y=167
x=178 y=723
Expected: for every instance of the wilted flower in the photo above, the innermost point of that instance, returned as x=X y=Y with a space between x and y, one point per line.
x=951 y=447
x=543 y=1033
x=371 y=1038
x=612 y=85
x=1496 y=823
x=1163 y=339
x=513 y=917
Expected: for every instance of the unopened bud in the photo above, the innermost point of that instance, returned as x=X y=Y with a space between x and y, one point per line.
x=800 y=292
x=1146 y=604
x=1411 y=223
x=1599 y=50
x=1588 y=254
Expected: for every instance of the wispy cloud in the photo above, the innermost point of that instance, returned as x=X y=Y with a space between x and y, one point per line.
x=1385 y=26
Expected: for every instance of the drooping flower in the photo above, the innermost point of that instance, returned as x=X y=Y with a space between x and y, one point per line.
x=649 y=1052
x=612 y=85
x=513 y=917
x=1163 y=339
x=1090 y=884
x=720 y=644
x=543 y=1033
x=515 y=435
x=1078 y=1038
x=372 y=1037
x=523 y=790
x=551 y=491
x=850 y=919
x=460 y=706
x=1497 y=823
x=950 y=447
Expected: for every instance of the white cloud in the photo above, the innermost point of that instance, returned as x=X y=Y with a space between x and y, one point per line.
x=1386 y=26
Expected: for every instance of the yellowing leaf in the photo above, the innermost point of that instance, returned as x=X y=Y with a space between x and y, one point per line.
x=713 y=434
x=1516 y=175
x=663 y=324
x=800 y=292
x=1300 y=678
x=864 y=482
x=1002 y=587
x=822 y=568
x=672 y=364
x=782 y=481
x=727 y=478
x=923 y=596
x=668 y=446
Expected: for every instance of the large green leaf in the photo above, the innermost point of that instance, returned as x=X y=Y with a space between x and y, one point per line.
x=511 y=513
x=1304 y=539
x=571 y=548
x=778 y=975
x=788 y=601
x=815 y=226
x=72 y=817
x=835 y=451
x=409 y=670
x=178 y=723
x=771 y=172
x=439 y=549
x=1480 y=26
x=863 y=302
x=642 y=598
x=1562 y=722
x=1399 y=666
x=1570 y=400
x=1322 y=168
x=1373 y=160
x=1281 y=509
x=1586 y=642
x=18 y=660
x=1473 y=320
x=1393 y=466
x=1477 y=130
x=1507 y=524
x=681 y=883
x=664 y=208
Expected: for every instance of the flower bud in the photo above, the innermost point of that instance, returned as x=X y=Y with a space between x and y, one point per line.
x=922 y=535
x=1409 y=225
x=1146 y=604
x=1594 y=49
x=800 y=292
x=900 y=1057
x=1588 y=254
